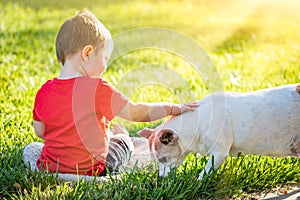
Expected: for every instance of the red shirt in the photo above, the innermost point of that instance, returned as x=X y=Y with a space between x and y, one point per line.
x=76 y=113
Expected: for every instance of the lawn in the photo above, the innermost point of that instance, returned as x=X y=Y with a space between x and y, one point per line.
x=252 y=44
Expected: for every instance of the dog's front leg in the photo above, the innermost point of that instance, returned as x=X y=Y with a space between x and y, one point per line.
x=163 y=170
x=214 y=162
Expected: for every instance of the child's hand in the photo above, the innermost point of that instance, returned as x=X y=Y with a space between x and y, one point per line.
x=178 y=109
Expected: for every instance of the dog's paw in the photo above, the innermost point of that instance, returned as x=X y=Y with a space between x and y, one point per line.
x=164 y=171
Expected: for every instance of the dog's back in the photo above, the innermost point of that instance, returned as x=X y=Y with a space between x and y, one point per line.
x=267 y=121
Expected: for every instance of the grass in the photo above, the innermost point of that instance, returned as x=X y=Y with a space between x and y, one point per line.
x=253 y=44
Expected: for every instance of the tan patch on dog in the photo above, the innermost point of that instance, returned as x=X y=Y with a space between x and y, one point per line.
x=298 y=88
x=157 y=143
x=295 y=149
x=166 y=153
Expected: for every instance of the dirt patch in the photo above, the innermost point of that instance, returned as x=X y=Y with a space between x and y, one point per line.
x=290 y=192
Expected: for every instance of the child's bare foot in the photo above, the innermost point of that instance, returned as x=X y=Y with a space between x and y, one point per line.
x=119 y=129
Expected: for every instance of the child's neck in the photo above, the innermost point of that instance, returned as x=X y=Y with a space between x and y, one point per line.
x=70 y=70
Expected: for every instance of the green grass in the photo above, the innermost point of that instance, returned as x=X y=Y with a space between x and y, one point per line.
x=253 y=44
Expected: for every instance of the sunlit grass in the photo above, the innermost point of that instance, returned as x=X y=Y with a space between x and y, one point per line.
x=253 y=44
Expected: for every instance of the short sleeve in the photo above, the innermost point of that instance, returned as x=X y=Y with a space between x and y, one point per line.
x=37 y=107
x=111 y=101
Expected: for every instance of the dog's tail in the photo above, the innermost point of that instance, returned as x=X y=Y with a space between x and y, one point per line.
x=298 y=88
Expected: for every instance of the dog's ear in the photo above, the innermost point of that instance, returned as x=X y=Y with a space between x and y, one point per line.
x=168 y=137
x=146 y=132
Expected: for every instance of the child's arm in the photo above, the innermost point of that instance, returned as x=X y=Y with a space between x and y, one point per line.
x=39 y=128
x=146 y=112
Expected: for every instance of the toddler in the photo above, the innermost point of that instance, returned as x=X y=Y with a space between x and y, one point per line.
x=72 y=112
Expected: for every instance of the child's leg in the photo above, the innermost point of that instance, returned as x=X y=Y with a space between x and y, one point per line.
x=120 y=151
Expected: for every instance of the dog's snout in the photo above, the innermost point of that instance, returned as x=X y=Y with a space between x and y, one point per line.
x=162 y=160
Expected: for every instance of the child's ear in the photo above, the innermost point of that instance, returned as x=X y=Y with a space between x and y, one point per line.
x=86 y=51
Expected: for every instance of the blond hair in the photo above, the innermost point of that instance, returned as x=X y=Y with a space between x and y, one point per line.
x=79 y=31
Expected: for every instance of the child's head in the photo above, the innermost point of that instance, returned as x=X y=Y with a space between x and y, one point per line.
x=77 y=32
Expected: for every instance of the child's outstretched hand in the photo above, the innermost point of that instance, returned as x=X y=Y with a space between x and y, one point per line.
x=177 y=109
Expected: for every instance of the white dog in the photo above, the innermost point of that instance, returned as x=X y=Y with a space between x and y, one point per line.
x=264 y=122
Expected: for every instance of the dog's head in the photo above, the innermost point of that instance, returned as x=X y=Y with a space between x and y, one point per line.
x=164 y=145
